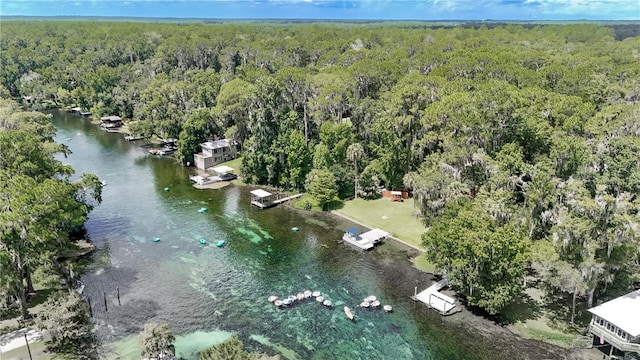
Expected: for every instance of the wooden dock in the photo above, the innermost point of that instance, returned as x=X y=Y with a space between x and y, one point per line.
x=287 y=198
x=264 y=204
x=435 y=299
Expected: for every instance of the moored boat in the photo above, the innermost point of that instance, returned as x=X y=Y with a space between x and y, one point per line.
x=278 y=303
x=327 y=303
x=273 y=298
x=300 y=296
x=375 y=303
x=365 y=304
x=387 y=308
x=315 y=293
x=320 y=299
x=220 y=243
x=307 y=294
x=348 y=312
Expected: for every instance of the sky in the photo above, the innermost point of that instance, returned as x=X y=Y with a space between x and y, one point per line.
x=532 y=10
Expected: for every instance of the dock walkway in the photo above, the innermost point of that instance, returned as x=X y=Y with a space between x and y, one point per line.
x=264 y=204
x=435 y=299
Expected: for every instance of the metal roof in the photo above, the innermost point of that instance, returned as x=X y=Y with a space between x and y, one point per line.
x=261 y=193
x=215 y=144
x=222 y=169
x=623 y=312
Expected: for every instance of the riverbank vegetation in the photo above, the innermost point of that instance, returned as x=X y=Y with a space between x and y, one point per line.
x=40 y=206
x=519 y=143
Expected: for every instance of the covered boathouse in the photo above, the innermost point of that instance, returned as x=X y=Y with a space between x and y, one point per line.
x=617 y=323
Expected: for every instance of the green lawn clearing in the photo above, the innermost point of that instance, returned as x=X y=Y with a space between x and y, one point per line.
x=395 y=217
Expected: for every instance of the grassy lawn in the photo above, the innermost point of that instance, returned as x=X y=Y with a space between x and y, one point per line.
x=395 y=217
x=539 y=329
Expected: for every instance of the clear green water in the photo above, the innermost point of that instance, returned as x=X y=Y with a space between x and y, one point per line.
x=205 y=293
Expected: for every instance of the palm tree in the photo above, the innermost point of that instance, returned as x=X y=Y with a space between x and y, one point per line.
x=355 y=153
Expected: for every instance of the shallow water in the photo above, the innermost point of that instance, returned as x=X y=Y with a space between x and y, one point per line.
x=205 y=293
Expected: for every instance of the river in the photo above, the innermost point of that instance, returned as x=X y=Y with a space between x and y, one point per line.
x=206 y=293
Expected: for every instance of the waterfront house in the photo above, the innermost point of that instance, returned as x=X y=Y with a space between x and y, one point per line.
x=617 y=323
x=110 y=122
x=215 y=152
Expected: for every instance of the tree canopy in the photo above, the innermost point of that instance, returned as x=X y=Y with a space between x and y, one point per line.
x=534 y=128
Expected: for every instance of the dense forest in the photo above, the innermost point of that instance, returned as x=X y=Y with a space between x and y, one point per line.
x=520 y=144
x=41 y=209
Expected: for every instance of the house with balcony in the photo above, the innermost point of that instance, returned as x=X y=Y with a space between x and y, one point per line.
x=214 y=153
x=617 y=323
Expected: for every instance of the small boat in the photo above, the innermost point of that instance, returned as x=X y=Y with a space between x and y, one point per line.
x=348 y=312
x=166 y=189
x=300 y=296
x=278 y=303
x=272 y=298
x=370 y=298
x=220 y=243
x=320 y=299
x=315 y=293
x=202 y=210
x=387 y=308
x=307 y=294
x=203 y=241
x=287 y=301
x=375 y=303
x=295 y=228
x=327 y=303
x=365 y=304
x=155 y=239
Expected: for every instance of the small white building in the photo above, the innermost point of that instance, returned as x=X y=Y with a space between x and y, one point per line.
x=215 y=152
x=617 y=322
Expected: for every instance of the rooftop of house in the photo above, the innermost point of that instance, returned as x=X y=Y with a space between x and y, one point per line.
x=216 y=144
x=111 y=118
x=623 y=312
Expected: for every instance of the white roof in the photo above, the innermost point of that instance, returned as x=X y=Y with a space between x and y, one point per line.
x=375 y=234
x=260 y=193
x=222 y=169
x=215 y=144
x=623 y=312
x=111 y=118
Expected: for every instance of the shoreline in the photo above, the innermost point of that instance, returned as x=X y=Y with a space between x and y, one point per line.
x=487 y=328
x=334 y=212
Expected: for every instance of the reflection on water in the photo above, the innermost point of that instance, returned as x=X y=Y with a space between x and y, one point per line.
x=205 y=292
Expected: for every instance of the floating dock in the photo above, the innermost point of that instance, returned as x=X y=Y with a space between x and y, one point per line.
x=364 y=241
x=435 y=299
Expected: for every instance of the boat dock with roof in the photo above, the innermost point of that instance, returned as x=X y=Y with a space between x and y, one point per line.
x=364 y=241
x=264 y=199
x=435 y=299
